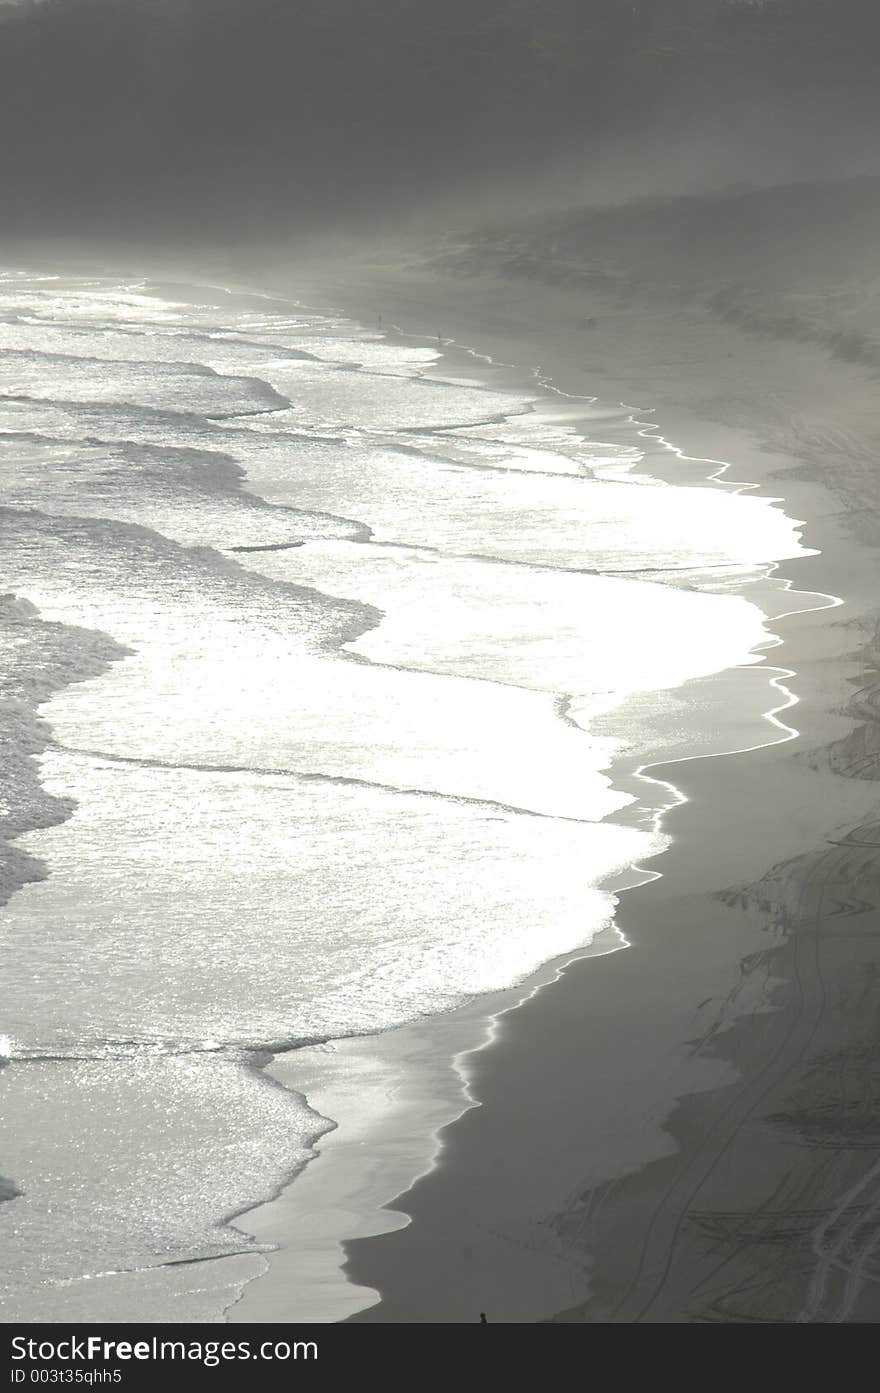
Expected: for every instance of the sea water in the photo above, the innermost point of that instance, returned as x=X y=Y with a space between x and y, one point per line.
x=302 y=629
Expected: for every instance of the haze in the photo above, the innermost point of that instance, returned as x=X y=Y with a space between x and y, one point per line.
x=160 y=118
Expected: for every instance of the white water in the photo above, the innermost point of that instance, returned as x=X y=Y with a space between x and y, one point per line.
x=305 y=792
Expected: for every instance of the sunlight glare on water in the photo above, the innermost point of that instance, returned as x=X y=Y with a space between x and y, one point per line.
x=305 y=613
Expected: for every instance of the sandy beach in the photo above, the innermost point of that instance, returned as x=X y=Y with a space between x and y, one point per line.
x=682 y=1131
x=675 y=1124
x=439 y=672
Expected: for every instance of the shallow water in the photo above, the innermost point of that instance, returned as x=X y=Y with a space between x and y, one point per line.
x=303 y=792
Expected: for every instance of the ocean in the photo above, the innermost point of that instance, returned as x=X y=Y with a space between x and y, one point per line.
x=305 y=626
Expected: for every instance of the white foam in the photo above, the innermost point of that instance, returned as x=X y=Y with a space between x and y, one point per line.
x=273 y=839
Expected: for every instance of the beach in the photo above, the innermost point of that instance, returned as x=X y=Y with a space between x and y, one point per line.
x=303 y=661
x=634 y=1094
x=439 y=674
x=683 y=1130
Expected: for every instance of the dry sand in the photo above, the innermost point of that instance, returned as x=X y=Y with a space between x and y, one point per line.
x=687 y=1130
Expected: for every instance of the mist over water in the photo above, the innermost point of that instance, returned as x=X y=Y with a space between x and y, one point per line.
x=164 y=121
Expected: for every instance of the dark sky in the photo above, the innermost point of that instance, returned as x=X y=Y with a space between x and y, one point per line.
x=281 y=115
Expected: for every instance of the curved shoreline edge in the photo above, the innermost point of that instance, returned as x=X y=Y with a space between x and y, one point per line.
x=779 y=1225
x=257 y=1302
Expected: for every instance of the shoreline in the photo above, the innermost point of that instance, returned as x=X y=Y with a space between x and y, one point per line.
x=329 y=1185
x=651 y=1248
x=474 y=1020
x=717 y=883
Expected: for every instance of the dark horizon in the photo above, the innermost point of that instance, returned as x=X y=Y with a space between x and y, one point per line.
x=168 y=118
